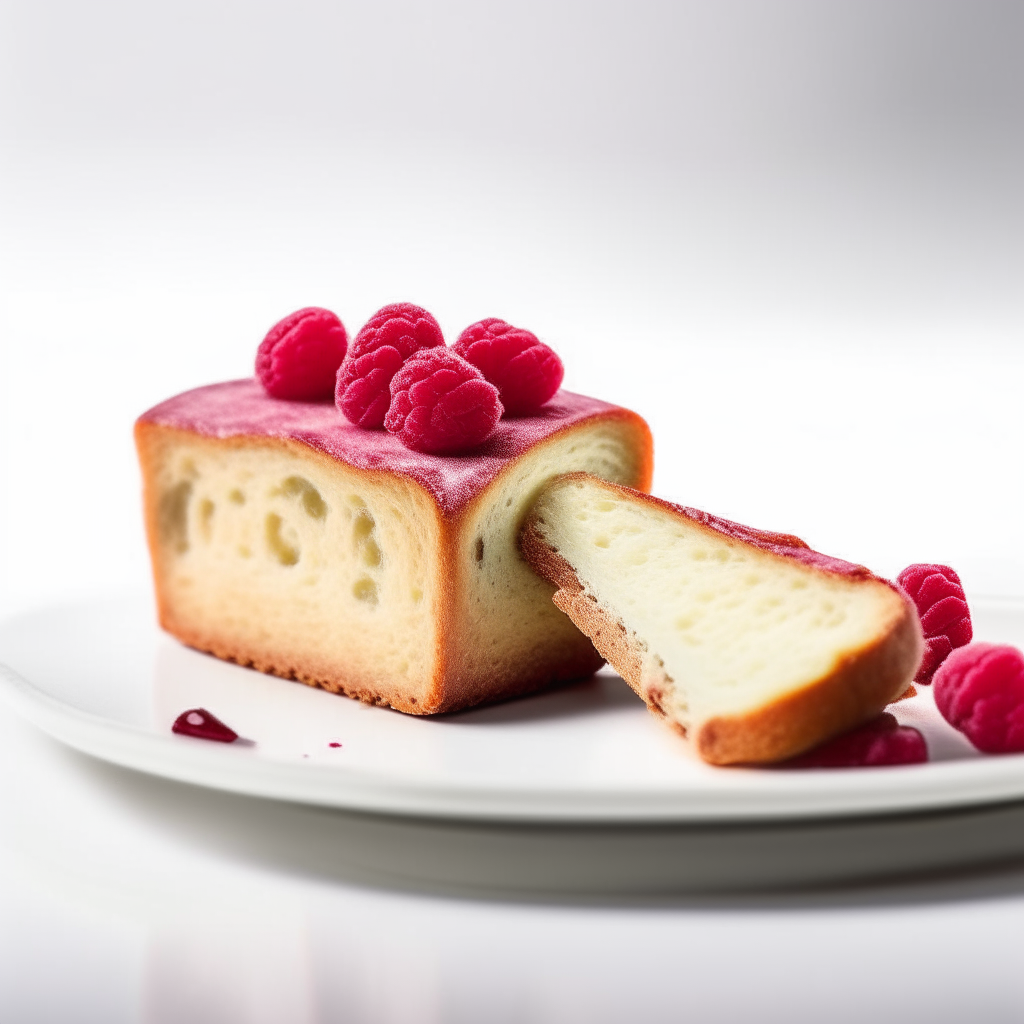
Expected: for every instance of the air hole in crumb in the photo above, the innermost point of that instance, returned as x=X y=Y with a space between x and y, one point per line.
x=244 y=551
x=309 y=497
x=236 y=497
x=363 y=526
x=605 y=506
x=281 y=547
x=173 y=516
x=206 y=510
x=365 y=589
x=371 y=553
x=479 y=550
x=602 y=541
x=416 y=594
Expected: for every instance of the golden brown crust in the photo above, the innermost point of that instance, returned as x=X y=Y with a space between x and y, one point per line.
x=858 y=686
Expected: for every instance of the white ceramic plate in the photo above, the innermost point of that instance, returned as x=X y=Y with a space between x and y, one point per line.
x=103 y=679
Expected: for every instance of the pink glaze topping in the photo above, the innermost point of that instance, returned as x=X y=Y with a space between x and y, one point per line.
x=241 y=408
x=783 y=544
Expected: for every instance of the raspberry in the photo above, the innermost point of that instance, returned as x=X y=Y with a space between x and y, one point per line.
x=942 y=607
x=882 y=741
x=525 y=371
x=198 y=722
x=441 y=404
x=300 y=356
x=979 y=689
x=377 y=352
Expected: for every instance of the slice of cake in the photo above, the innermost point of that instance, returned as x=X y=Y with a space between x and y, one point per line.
x=285 y=538
x=748 y=642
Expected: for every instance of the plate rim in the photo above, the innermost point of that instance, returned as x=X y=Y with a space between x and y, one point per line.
x=810 y=795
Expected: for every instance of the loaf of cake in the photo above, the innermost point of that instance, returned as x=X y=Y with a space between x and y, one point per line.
x=751 y=644
x=285 y=538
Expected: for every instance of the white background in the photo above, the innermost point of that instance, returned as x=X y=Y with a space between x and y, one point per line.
x=790 y=234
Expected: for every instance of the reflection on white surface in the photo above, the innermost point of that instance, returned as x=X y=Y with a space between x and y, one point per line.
x=124 y=900
x=214 y=971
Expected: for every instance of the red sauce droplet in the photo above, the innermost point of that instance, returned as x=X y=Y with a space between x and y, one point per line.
x=334 y=744
x=199 y=723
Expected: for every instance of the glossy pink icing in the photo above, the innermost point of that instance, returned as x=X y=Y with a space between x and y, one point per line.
x=783 y=544
x=241 y=408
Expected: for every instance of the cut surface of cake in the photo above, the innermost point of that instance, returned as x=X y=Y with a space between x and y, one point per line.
x=752 y=644
x=285 y=538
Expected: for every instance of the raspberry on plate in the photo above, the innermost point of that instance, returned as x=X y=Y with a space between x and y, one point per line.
x=440 y=404
x=377 y=352
x=979 y=689
x=525 y=371
x=882 y=741
x=945 y=618
x=300 y=356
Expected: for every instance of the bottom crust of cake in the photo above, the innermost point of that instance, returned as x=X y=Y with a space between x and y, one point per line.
x=516 y=682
